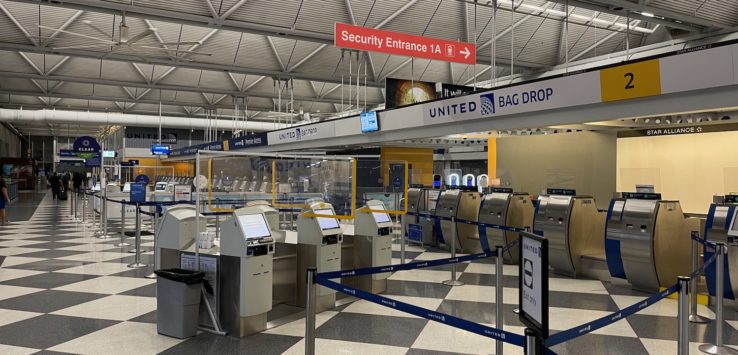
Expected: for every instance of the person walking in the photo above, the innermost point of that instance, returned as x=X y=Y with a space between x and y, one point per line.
x=4 y=201
x=55 y=183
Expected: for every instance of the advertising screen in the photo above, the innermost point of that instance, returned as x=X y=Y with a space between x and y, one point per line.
x=254 y=226
x=369 y=122
x=325 y=222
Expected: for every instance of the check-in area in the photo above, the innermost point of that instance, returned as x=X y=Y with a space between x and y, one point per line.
x=360 y=177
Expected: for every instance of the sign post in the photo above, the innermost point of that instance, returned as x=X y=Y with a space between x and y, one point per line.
x=533 y=285
x=372 y=40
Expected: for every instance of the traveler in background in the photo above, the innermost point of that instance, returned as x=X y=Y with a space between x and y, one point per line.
x=77 y=181
x=4 y=201
x=55 y=182
x=65 y=181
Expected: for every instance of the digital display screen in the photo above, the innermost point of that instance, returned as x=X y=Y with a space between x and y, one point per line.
x=254 y=226
x=160 y=186
x=380 y=217
x=159 y=149
x=369 y=122
x=108 y=154
x=326 y=223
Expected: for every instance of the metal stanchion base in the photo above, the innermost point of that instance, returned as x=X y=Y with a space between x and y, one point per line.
x=696 y=318
x=137 y=265
x=516 y=310
x=124 y=244
x=717 y=350
x=453 y=283
x=101 y=235
x=150 y=276
x=133 y=251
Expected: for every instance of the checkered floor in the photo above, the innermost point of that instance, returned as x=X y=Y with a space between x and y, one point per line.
x=62 y=290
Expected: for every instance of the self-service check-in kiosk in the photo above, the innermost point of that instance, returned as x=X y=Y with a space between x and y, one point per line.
x=421 y=200
x=176 y=232
x=648 y=240
x=319 y=238
x=463 y=204
x=503 y=207
x=573 y=226
x=372 y=242
x=246 y=271
x=721 y=227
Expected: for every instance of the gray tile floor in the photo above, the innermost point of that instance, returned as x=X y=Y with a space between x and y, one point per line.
x=64 y=291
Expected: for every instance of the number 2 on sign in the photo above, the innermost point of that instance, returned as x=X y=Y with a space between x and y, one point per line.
x=630 y=78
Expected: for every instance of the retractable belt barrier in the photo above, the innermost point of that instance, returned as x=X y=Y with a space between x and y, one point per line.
x=704 y=242
x=587 y=328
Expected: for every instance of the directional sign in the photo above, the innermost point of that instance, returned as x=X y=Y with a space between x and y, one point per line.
x=369 y=39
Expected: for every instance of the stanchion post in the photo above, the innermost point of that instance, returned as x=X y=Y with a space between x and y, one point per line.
x=453 y=281
x=499 y=304
x=532 y=343
x=694 y=316
x=683 y=316
x=84 y=208
x=122 y=225
x=719 y=348
x=156 y=252
x=137 y=261
x=310 y=312
x=402 y=240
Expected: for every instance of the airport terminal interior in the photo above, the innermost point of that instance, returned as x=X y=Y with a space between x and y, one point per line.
x=369 y=176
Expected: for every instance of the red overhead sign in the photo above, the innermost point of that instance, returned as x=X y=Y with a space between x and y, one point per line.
x=369 y=39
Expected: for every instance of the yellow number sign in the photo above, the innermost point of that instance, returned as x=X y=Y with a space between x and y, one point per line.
x=631 y=81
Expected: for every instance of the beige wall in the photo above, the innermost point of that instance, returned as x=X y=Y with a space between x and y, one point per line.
x=690 y=168
x=584 y=161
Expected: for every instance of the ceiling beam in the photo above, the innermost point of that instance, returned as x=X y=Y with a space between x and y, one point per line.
x=17 y=24
x=154 y=86
x=668 y=14
x=168 y=62
x=233 y=9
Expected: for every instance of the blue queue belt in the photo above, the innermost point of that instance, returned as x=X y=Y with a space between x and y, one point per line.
x=489 y=332
x=704 y=242
x=587 y=328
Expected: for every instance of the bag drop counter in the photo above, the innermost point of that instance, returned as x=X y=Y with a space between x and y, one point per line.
x=504 y=207
x=462 y=203
x=648 y=241
x=721 y=227
x=573 y=226
x=422 y=200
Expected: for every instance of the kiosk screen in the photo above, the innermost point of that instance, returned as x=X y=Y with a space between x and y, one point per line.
x=325 y=222
x=254 y=226
x=380 y=217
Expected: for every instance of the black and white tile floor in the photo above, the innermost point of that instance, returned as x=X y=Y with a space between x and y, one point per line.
x=63 y=290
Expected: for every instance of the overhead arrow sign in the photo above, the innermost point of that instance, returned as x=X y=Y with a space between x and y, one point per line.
x=372 y=40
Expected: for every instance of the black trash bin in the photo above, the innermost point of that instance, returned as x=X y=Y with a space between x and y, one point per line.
x=178 y=302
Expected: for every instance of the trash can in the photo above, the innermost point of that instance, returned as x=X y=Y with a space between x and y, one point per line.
x=178 y=302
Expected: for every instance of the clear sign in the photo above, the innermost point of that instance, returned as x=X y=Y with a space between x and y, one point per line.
x=533 y=283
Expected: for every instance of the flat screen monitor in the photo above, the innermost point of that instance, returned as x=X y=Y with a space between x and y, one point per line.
x=160 y=186
x=733 y=231
x=108 y=154
x=326 y=223
x=127 y=187
x=380 y=217
x=369 y=122
x=254 y=226
x=159 y=149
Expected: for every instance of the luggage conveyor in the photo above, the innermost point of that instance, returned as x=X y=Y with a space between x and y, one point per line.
x=422 y=201
x=503 y=207
x=574 y=228
x=720 y=227
x=647 y=240
x=462 y=203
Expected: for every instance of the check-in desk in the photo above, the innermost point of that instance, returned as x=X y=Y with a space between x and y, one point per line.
x=421 y=200
x=372 y=246
x=176 y=232
x=717 y=230
x=573 y=226
x=246 y=271
x=461 y=203
x=504 y=207
x=319 y=239
x=648 y=240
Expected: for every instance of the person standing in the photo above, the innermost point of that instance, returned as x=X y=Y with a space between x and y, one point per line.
x=4 y=201
x=55 y=183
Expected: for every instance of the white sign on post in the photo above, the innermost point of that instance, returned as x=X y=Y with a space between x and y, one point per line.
x=182 y=193
x=534 y=283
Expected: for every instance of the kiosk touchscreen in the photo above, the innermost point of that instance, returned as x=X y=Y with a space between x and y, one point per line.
x=372 y=245
x=722 y=227
x=246 y=249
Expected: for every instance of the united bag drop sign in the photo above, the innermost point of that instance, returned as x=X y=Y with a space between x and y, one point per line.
x=86 y=147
